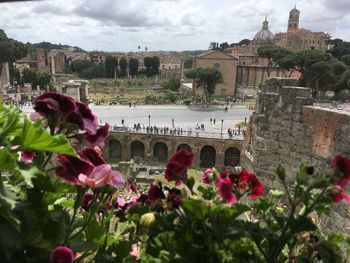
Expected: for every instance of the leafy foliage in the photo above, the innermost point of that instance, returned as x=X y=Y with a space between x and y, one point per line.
x=205 y=78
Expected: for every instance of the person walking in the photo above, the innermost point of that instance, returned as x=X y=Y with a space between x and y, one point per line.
x=122 y=121
x=214 y=121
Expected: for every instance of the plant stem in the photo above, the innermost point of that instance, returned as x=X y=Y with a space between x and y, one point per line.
x=2 y=187
x=76 y=206
x=309 y=210
x=47 y=160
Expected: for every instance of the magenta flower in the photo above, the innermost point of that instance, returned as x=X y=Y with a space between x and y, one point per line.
x=83 y=118
x=338 y=194
x=92 y=156
x=27 y=157
x=72 y=167
x=178 y=165
x=174 y=197
x=155 y=193
x=100 y=176
x=62 y=254
x=98 y=138
x=341 y=166
x=50 y=104
x=225 y=187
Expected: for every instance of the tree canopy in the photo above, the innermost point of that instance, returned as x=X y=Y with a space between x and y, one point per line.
x=111 y=64
x=273 y=54
x=152 y=65
x=205 y=78
x=133 y=67
x=79 y=65
x=10 y=49
x=123 y=64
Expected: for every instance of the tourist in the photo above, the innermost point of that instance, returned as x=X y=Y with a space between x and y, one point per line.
x=214 y=121
x=122 y=121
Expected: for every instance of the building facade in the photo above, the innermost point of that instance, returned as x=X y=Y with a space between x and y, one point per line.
x=299 y=39
x=226 y=63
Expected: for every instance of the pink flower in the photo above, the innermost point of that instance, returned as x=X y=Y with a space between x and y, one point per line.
x=134 y=251
x=27 y=157
x=100 y=176
x=98 y=138
x=155 y=193
x=338 y=194
x=34 y=116
x=121 y=202
x=178 y=165
x=207 y=176
x=225 y=187
x=62 y=254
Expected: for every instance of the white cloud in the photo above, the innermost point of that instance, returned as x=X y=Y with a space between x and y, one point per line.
x=113 y=25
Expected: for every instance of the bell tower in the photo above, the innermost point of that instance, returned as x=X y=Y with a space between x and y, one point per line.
x=293 y=21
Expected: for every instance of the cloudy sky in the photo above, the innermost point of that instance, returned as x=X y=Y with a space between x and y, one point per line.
x=123 y=25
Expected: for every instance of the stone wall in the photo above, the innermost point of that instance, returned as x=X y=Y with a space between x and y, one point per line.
x=286 y=129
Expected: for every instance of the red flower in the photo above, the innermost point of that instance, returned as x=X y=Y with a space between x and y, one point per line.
x=178 y=165
x=97 y=139
x=256 y=187
x=71 y=167
x=83 y=118
x=155 y=193
x=338 y=194
x=174 y=197
x=62 y=254
x=241 y=179
x=225 y=187
x=341 y=167
x=51 y=103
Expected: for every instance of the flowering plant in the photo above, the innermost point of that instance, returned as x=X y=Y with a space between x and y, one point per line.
x=61 y=202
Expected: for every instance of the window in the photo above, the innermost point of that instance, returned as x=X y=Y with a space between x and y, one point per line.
x=217 y=66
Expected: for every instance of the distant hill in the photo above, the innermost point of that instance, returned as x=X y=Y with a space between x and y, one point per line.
x=48 y=45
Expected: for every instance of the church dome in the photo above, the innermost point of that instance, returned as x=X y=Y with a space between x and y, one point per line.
x=264 y=33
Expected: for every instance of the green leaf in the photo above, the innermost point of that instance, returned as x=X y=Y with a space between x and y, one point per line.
x=281 y=173
x=34 y=137
x=7 y=160
x=30 y=174
x=302 y=224
x=302 y=175
x=196 y=207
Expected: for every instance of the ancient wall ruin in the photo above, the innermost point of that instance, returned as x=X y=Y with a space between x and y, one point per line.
x=287 y=129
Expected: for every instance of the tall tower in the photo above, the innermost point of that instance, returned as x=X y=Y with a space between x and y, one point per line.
x=293 y=21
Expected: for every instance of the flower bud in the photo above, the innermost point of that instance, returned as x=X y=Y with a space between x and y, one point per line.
x=147 y=219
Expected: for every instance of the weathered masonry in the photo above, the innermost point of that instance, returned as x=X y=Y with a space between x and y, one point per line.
x=157 y=149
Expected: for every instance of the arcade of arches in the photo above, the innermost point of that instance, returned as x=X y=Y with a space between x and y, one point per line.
x=157 y=149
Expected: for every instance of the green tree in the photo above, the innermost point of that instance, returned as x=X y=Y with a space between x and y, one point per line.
x=346 y=59
x=152 y=65
x=43 y=80
x=111 y=64
x=123 y=64
x=205 y=78
x=95 y=71
x=224 y=45
x=147 y=61
x=79 y=65
x=339 y=48
x=188 y=63
x=155 y=65
x=133 y=67
x=30 y=76
x=173 y=84
x=273 y=55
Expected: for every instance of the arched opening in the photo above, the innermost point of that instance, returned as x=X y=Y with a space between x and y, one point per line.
x=137 y=150
x=207 y=157
x=232 y=157
x=115 y=149
x=160 y=152
x=185 y=147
